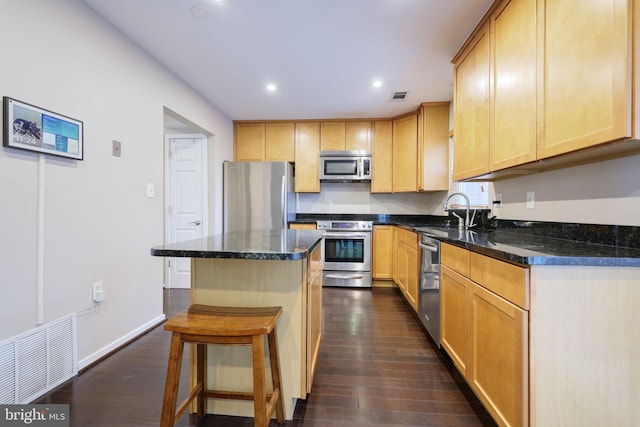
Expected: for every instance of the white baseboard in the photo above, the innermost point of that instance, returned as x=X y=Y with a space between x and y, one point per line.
x=92 y=358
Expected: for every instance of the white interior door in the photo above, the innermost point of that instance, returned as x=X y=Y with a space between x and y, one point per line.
x=186 y=200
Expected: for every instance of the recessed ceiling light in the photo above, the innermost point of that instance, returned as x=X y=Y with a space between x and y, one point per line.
x=271 y=87
x=376 y=83
x=201 y=12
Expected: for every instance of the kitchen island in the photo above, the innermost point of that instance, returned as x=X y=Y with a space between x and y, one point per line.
x=254 y=268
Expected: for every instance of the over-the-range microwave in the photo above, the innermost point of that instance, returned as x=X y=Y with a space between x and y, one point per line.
x=345 y=166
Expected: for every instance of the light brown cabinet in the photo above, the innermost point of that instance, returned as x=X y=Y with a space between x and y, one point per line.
x=301 y=226
x=585 y=82
x=513 y=110
x=485 y=331
x=264 y=141
x=307 y=164
x=349 y=135
x=407 y=259
x=405 y=152
x=314 y=312
x=383 y=241
x=526 y=88
x=471 y=108
x=332 y=136
x=249 y=142
x=433 y=147
x=358 y=135
x=279 y=142
x=382 y=157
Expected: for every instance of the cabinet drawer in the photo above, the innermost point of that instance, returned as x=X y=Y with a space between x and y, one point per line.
x=509 y=281
x=455 y=258
x=408 y=237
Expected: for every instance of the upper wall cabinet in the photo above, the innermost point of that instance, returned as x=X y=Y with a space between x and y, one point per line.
x=538 y=81
x=260 y=141
x=249 y=142
x=405 y=151
x=279 y=142
x=382 y=157
x=339 y=135
x=307 y=164
x=513 y=112
x=433 y=147
x=585 y=84
x=471 y=108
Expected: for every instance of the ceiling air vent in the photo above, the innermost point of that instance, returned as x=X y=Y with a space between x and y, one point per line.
x=398 y=96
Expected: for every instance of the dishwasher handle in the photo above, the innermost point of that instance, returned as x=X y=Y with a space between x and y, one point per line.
x=428 y=247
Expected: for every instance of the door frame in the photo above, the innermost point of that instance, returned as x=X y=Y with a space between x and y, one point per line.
x=167 y=192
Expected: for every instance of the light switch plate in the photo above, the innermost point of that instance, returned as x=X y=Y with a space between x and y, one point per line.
x=531 y=199
x=151 y=190
x=116 y=148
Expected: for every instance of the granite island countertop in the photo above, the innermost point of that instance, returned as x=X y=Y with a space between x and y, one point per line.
x=273 y=244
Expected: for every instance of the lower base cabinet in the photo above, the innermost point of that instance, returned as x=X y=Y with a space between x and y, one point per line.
x=485 y=334
x=407 y=261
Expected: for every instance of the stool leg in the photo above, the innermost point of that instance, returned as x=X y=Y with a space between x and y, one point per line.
x=275 y=374
x=259 y=391
x=172 y=382
x=201 y=378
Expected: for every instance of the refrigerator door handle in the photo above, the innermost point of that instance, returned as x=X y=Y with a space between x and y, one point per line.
x=283 y=202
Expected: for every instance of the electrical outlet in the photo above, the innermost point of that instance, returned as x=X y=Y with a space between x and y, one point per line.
x=498 y=201
x=97 y=292
x=531 y=199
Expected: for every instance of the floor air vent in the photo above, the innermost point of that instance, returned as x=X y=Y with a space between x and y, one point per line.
x=37 y=361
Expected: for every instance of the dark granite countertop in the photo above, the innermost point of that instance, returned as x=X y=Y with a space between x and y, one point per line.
x=523 y=242
x=528 y=249
x=276 y=244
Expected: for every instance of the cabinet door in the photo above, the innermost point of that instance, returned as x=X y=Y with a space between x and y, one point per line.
x=412 y=261
x=401 y=266
x=249 y=142
x=499 y=367
x=586 y=53
x=433 y=147
x=405 y=152
x=513 y=118
x=314 y=313
x=382 y=157
x=471 y=142
x=279 y=144
x=358 y=136
x=307 y=154
x=382 y=251
x=455 y=317
x=332 y=136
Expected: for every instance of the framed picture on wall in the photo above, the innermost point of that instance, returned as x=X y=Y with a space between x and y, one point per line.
x=32 y=128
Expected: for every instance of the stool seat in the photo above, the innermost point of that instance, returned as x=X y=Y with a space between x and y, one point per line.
x=204 y=325
x=224 y=321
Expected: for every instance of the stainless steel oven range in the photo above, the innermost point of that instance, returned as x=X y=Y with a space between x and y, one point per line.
x=346 y=253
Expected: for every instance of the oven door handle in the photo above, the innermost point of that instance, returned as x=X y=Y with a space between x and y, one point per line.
x=344 y=276
x=348 y=235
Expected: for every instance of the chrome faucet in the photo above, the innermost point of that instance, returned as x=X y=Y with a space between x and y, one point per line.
x=461 y=225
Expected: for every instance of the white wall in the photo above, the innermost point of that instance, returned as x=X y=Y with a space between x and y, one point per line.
x=98 y=224
x=355 y=198
x=600 y=193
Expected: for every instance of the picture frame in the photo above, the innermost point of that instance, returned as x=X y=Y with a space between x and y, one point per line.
x=31 y=128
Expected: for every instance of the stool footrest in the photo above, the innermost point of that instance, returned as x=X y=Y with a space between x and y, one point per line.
x=185 y=403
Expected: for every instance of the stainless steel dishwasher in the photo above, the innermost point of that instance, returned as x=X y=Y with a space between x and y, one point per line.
x=429 y=293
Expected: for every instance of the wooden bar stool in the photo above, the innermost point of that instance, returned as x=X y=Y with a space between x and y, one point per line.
x=203 y=325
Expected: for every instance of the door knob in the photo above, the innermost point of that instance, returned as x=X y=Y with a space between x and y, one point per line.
x=196 y=222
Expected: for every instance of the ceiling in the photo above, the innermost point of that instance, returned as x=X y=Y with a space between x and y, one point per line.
x=322 y=55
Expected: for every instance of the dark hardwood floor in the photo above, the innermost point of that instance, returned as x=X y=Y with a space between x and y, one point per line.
x=376 y=368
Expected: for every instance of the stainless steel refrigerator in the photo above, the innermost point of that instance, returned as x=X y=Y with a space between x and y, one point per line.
x=257 y=195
